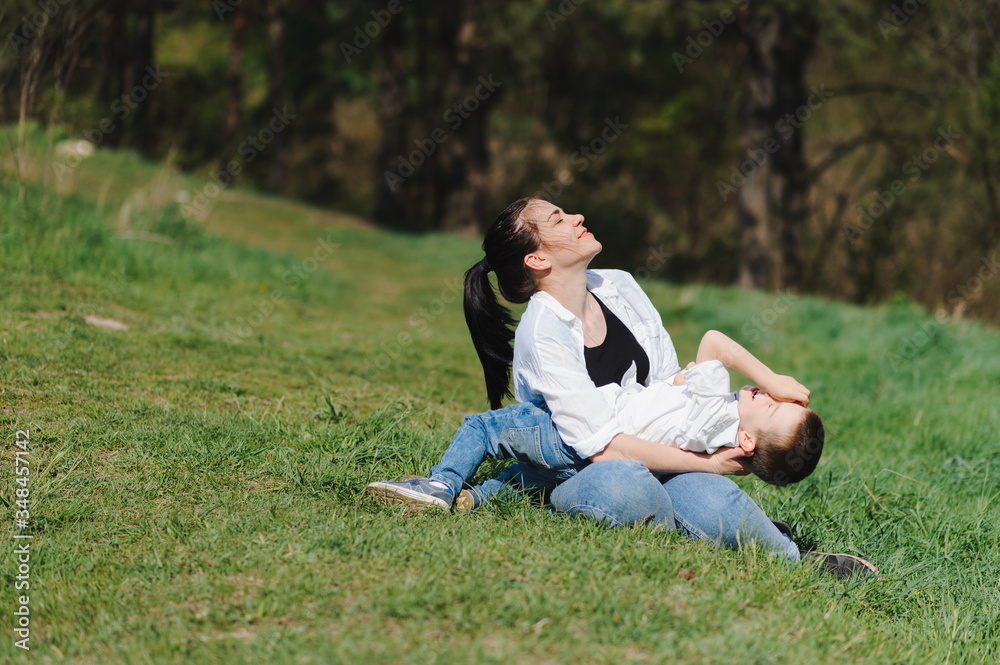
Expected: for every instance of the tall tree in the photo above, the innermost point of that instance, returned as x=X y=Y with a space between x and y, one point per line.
x=110 y=68
x=390 y=185
x=234 y=104
x=278 y=175
x=773 y=203
x=760 y=31
x=788 y=179
x=464 y=184
x=144 y=41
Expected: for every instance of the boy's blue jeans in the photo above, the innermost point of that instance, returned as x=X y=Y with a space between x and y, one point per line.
x=617 y=492
x=522 y=432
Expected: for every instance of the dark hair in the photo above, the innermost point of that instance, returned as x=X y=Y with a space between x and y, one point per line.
x=785 y=459
x=507 y=242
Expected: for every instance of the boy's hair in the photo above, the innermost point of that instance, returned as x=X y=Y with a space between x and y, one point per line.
x=782 y=459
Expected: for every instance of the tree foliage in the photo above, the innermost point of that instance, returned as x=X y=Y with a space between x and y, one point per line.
x=845 y=148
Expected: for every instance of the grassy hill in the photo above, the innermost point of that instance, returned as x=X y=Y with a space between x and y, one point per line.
x=196 y=480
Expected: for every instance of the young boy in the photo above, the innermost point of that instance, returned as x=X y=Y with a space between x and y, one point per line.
x=782 y=439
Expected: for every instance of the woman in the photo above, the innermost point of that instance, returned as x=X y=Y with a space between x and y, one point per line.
x=581 y=330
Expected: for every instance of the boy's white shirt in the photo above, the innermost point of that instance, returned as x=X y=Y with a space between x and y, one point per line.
x=550 y=370
x=701 y=416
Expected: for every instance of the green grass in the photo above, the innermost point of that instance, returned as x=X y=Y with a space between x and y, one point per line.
x=197 y=490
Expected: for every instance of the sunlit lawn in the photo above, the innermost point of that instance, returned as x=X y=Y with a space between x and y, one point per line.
x=197 y=479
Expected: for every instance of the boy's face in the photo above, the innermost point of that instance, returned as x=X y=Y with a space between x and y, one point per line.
x=759 y=411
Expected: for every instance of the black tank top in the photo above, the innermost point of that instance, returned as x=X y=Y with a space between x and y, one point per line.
x=608 y=362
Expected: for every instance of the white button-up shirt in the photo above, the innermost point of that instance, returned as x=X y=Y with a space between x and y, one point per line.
x=701 y=415
x=550 y=369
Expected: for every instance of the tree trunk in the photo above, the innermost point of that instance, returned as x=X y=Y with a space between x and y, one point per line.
x=31 y=71
x=788 y=183
x=390 y=179
x=465 y=184
x=143 y=59
x=110 y=70
x=278 y=176
x=234 y=105
x=759 y=33
x=463 y=202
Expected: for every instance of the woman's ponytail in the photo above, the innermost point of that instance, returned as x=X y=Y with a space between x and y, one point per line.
x=492 y=329
x=507 y=242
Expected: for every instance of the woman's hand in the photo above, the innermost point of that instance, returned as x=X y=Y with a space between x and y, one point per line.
x=728 y=462
x=786 y=389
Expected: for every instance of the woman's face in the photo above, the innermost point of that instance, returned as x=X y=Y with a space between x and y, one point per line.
x=565 y=241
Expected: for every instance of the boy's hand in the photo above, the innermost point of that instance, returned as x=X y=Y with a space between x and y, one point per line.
x=679 y=379
x=786 y=389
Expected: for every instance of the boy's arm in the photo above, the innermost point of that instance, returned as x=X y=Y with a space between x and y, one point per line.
x=717 y=346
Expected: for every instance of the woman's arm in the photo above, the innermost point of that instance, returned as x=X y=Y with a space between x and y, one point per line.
x=717 y=346
x=668 y=459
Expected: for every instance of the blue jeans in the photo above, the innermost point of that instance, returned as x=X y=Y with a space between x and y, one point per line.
x=702 y=505
x=524 y=476
x=617 y=492
x=522 y=432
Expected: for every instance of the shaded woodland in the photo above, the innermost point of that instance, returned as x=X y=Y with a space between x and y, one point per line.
x=845 y=148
